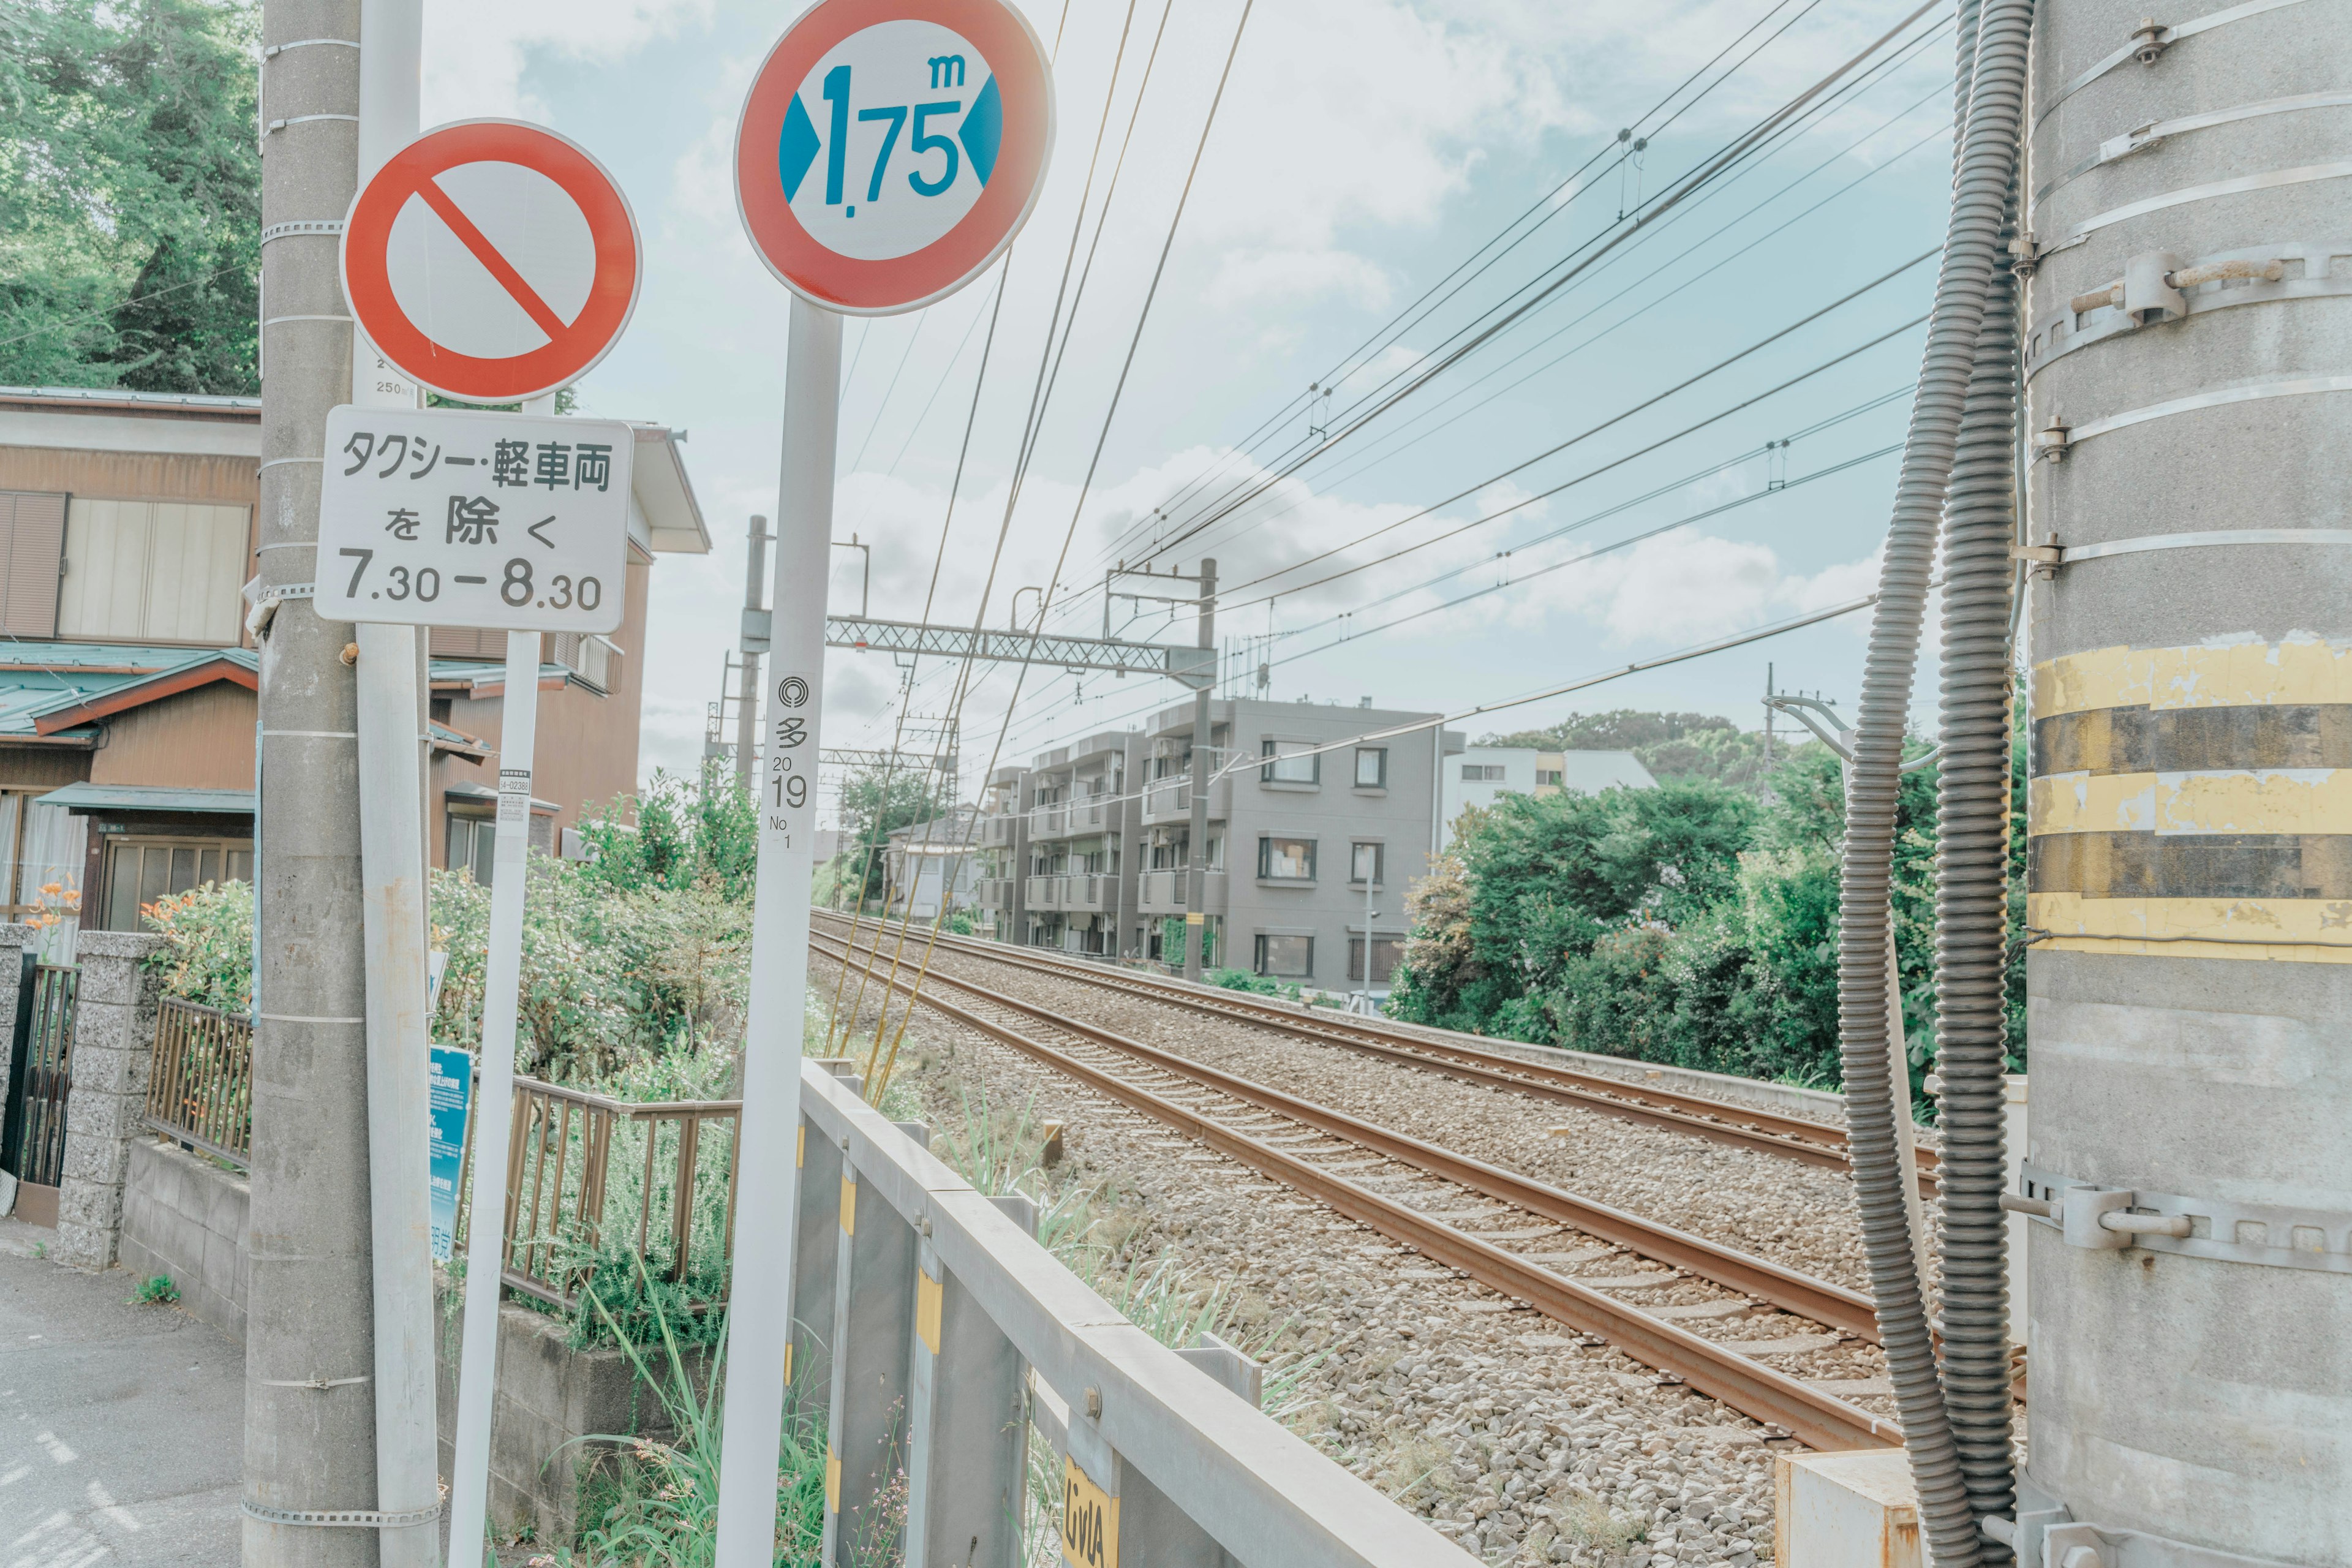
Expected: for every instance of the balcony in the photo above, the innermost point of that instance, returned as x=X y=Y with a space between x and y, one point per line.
x=1074 y=892
x=1171 y=800
x=996 y=830
x=1089 y=817
x=1163 y=892
x=994 y=892
x=1049 y=822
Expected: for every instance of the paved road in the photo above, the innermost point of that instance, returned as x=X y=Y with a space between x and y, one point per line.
x=122 y=1428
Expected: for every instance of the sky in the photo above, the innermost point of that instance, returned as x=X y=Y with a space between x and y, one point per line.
x=1554 y=503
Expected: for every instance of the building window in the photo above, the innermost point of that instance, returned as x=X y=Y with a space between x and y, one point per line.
x=1292 y=762
x=1552 y=776
x=1286 y=859
x=1372 y=768
x=1482 y=773
x=1388 y=956
x=1286 y=955
x=473 y=845
x=138 y=871
x=153 y=571
x=1365 y=863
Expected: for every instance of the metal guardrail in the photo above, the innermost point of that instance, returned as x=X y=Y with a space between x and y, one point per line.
x=200 y=1085
x=945 y=1338
x=587 y=1173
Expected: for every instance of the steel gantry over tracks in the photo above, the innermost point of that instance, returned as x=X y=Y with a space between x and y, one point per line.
x=1194 y=667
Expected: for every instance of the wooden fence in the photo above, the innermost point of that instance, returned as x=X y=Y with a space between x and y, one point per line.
x=200 y=1088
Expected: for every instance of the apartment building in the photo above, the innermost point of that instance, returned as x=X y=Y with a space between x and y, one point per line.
x=924 y=858
x=1306 y=830
x=127 y=682
x=1479 y=776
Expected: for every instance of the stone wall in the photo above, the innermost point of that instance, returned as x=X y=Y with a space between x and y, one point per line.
x=114 y=1042
x=184 y=1217
x=550 y=1395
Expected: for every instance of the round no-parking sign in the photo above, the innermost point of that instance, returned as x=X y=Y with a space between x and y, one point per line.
x=491 y=261
x=889 y=149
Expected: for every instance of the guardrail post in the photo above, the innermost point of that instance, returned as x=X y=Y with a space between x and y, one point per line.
x=967 y=1435
x=873 y=1323
x=808 y=1370
x=1113 y=1515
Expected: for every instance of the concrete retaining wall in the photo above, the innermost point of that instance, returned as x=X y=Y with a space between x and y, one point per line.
x=550 y=1395
x=186 y=1217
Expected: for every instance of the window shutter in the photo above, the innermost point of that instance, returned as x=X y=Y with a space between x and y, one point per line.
x=32 y=542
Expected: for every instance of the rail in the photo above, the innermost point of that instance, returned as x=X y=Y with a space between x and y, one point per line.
x=1739 y=1381
x=590 y=1177
x=199 y=1084
x=1740 y=1124
x=926 y=1314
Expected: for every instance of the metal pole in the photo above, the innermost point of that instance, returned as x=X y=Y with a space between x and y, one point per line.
x=393 y=916
x=1196 y=918
x=309 y=1395
x=747 y=702
x=485 y=1224
x=759 y=1321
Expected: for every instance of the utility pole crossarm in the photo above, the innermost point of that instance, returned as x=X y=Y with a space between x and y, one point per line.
x=1191 y=666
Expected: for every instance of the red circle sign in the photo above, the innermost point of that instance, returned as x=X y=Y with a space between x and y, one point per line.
x=491 y=261
x=889 y=149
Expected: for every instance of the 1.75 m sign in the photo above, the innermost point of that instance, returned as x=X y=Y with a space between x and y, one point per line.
x=449 y=517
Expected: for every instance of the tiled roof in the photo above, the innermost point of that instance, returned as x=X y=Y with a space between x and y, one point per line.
x=46 y=680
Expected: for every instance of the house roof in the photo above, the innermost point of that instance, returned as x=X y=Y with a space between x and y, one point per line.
x=488 y=678
x=111 y=419
x=86 y=797
x=445 y=739
x=57 y=692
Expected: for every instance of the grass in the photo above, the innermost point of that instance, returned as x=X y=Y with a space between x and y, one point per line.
x=657 y=1501
x=158 y=1291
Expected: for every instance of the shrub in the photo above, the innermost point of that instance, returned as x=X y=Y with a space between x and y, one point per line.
x=158 y=1291
x=208 y=956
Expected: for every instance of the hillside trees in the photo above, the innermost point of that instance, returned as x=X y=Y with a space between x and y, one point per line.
x=1693 y=924
x=130 y=195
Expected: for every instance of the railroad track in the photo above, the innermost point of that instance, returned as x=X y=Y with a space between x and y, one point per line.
x=1367 y=1174
x=1722 y=1122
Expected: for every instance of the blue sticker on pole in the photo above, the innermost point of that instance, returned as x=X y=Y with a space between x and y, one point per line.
x=451 y=1097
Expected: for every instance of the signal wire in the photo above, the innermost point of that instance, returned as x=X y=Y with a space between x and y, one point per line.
x=1667 y=201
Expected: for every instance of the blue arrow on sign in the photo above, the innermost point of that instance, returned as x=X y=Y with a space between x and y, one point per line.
x=796 y=147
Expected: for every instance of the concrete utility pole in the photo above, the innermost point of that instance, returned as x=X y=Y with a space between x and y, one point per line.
x=2190 y=1008
x=310 y=1347
x=1196 y=898
x=747 y=700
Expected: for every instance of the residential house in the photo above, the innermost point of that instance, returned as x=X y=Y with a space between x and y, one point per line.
x=1479 y=776
x=128 y=681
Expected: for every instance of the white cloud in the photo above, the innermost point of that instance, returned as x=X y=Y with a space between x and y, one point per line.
x=1275 y=277
x=474 y=54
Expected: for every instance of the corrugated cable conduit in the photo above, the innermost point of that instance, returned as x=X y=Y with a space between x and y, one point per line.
x=1960 y=414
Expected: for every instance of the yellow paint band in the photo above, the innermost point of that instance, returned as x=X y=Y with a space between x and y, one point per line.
x=848 y=1205
x=2244 y=674
x=831 y=1480
x=2294 y=930
x=2274 y=800
x=929 y=1294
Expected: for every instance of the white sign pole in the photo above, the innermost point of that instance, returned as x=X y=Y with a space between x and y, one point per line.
x=394 y=915
x=759 y=1318
x=486 y=1227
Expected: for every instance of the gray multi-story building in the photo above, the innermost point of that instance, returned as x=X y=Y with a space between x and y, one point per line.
x=1088 y=849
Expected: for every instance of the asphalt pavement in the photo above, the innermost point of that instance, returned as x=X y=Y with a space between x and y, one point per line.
x=122 y=1426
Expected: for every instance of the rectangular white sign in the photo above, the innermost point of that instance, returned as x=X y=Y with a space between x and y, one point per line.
x=446 y=517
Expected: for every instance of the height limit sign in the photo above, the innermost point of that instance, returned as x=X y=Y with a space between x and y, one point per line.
x=445 y=518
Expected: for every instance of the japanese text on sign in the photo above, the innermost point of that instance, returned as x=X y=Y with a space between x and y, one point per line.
x=440 y=517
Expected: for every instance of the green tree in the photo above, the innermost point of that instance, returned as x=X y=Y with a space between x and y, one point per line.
x=876 y=801
x=130 y=195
